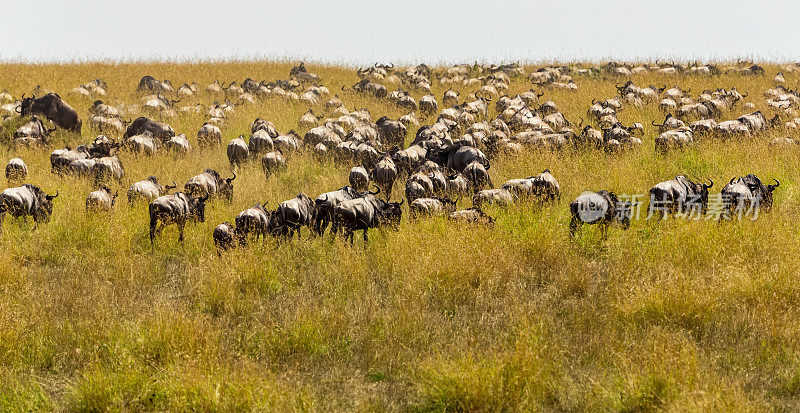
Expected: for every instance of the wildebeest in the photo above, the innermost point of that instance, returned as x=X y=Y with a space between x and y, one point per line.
x=367 y=212
x=747 y=194
x=16 y=170
x=52 y=107
x=101 y=200
x=498 y=196
x=456 y=156
x=179 y=145
x=107 y=167
x=601 y=207
x=294 y=214
x=384 y=174
x=359 y=177
x=143 y=143
x=679 y=195
x=209 y=135
x=210 y=183
x=149 y=189
x=272 y=162
x=431 y=206
x=471 y=215
x=391 y=132
x=175 y=209
x=160 y=130
x=27 y=200
x=237 y=151
x=224 y=236
x=325 y=206
x=150 y=84
x=260 y=143
x=254 y=220
x=32 y=133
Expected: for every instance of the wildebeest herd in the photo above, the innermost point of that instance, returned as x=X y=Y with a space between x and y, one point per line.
x=450 y=156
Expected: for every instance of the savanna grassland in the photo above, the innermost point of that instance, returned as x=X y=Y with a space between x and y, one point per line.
x=437 y=316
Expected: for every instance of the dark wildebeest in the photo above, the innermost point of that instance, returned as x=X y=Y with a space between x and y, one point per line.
x=27 y=200
x=150 y=84
x=367 y=212
x=431 y=206
x=601 y=207
x=325 y=207
x=253 y=220
x=237 y=152
x=210 y=183
x=457 y=156
x=52 y=107
x=747 y=194
x=149 y=189
x=101 y=200
x=359 y=177
x=175 y=209
x=391 y=132
x=160 y=130
x=224 y=236
x=679 y=195
x=294 y=214
x=16 y=170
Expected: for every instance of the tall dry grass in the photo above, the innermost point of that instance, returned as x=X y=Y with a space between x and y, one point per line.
x=436 y=316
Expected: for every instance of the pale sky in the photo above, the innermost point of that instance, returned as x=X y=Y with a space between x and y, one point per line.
x=402 y=31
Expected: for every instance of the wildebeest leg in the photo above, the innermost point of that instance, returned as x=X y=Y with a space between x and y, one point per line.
x=181 y=224
x=153 y=222
x=365 y=237
x=604 y=229
x=574 y=224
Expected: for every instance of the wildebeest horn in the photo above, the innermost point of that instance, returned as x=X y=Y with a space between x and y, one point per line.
x=746 y=94
x=732 y=179
x=23 y=96
x=52 y=196
x=777 y=184
x=655 y=124
x=231 y=179
x=343 y=88
x=710 y=185
x=377 y=190
x=594 y=100
x=402 y=201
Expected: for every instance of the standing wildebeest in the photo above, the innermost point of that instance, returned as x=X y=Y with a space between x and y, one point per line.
x=179 y=145
x=16 y=170
x=160 y=130
x=367 y=212
x=325 y=206
x=359 y=177
x=148 y=189
x=255 y=220
x=54 y=109
x=272 y=162
x=237 y=151
x=293 y=214
x=678 y=195
x=747 y=193
x=101 y=200
x=175 y=209
x=391 y=132
x=27 y=200
x=209 y=135
x=260 y=143
x=384 y=174
x=150 y=84
x=210 y=183
x=224 y=235
x=457 y=156
x=478 y=175
x=601 y=207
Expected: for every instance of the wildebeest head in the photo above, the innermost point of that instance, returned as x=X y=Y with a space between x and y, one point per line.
x=42 y=214
x=226 y=187
x=197 y=208
x=391 y=213
x=26 y=107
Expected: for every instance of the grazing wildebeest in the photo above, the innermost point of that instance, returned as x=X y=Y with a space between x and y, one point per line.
x=144 y=143
x=149 y=189
x=391 y=132
x=601 y=207
x=175 y=209
x=471 y=215
x=431 y=206
x=272 y=162
x=52 y=107
x=150 y=84
x=478 y=175
x=160 y=130
x=16 y=170
x=108 y=167
x=367 y=212
x=428 y=105
x=101 y=200
x=678 y=195
x=325 y=206
x=210 y=183
x=179 y=145
x=294 y=214
x=498 y=196
x=209 y=135
x=32 y=133
x=237 y=152
x=224 y=236
x=457 y=156
x=27 y=200
x=746 y=193
x=359 y=177
x=255 y=220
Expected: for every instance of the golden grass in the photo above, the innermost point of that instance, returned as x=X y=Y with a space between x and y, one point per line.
x=436 y=316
